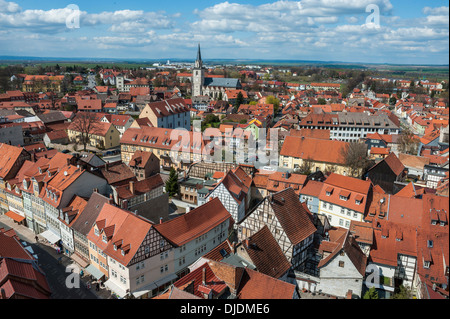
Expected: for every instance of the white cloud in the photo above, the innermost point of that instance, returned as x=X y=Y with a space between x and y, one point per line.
x=10 y=7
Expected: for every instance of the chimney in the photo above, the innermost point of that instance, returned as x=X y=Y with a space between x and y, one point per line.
x=204 y=276
x=349 y=294
x=160 y=220
x=132 y=187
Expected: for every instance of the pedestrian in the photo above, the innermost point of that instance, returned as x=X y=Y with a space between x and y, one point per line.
x=36 y=238
x=97 y=287
x=88 y=285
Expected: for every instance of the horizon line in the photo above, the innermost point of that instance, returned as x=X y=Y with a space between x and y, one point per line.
x=243 y=60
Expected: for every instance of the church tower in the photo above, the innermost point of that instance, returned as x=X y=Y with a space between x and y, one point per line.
x=198 y=75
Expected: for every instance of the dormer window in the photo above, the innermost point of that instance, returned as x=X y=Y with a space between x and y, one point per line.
x=96 y=232
x=104 y=238
x=429 y=243
x=426 y=264
x=115 y=247
x=123 y=252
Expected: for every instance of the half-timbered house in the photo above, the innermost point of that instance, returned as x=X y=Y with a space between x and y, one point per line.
x=289 y=222
x=134 y=258
x=196 y=233
x=234 y=192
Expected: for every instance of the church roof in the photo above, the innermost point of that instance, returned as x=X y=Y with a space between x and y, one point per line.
x=222 y=82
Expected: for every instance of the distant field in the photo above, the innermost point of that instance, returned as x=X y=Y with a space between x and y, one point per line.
x=429 y=72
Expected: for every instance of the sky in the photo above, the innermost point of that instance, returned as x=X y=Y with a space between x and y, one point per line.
x=358 y=31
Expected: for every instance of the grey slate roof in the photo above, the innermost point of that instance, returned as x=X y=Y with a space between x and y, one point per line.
x=222 y=82
x=90 y=213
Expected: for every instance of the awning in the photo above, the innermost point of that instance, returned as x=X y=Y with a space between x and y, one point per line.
x=80 y=261
x=94 y=272
x=147 y=288
x=165 y=280
x=18 y=218
x=115 y=288
x=50 y=236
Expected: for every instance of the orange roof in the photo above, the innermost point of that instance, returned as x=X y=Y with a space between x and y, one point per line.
x=197 y=222
x=130 y=231
x=380 y=150
x=318 y=150
x=354 y=187
x=256 y=285
x=8 y=157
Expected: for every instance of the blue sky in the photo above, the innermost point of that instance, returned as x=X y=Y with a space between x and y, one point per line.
x=394 y=31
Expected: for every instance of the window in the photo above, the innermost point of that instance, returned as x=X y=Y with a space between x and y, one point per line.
x=341 y=222
x=430 y=243
x=426 y=264
x=347 y=223
x=341 y=264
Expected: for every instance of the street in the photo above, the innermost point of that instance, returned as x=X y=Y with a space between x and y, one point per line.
x=54 y=270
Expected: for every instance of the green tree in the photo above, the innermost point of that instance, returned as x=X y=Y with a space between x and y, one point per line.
x=392 y=100
x=172 y=186
x=403 y=292
x=371 y=294
x=273 y=100
x=321 y=101
x=239 y=101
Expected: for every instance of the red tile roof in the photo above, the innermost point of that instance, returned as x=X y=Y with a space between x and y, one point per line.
x=318 y=150
x=197 y=222
x=139 y=187
x=266 y=254
x=292 y=215
x=336 y=183
x=256 y=285
x=279 y=181
x=194 y=281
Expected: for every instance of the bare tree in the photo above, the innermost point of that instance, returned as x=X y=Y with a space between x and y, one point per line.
x=306 y=167
x=407 y=142
x=85 y=124
x=356 y=158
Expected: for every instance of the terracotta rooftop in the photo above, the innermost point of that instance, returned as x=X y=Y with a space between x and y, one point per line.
x=266 y=254
x=187 y=227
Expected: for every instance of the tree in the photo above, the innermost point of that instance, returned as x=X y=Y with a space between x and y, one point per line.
x=321 y=101
x=172 y=186
x=407 y=142
x=239 y=101
x=85 y=124
x=273 y=100
x=403 y=292
x=306 y=167
x=371 y=294
x=355 y=158
x=392 y=100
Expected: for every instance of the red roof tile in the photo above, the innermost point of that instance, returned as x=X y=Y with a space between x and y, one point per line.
x=197 y=222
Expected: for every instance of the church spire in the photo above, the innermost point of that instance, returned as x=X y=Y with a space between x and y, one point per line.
x=198 y=62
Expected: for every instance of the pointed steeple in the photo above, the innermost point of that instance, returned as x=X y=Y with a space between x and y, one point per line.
x=198 y=62
x=199 y=55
